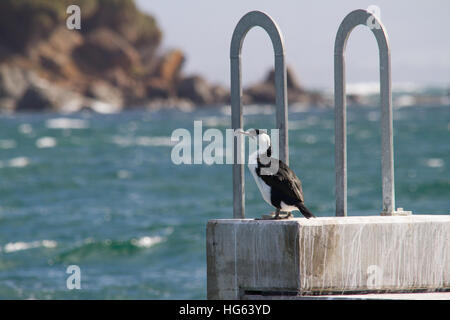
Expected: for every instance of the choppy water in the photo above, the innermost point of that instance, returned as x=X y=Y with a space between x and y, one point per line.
x=100 y=192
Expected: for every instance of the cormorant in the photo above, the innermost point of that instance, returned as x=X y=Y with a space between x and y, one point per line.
x=281 y=189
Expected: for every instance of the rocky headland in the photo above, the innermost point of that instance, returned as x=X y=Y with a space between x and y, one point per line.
x=113 y=62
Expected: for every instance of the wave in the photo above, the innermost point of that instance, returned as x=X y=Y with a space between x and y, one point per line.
x=106 y=248
x=66 y=123
x=46 y=142
x=146 y=242
x=19 y=246
x=435 y=163
x=18 y=162
x=103 y=107
x=251 y=109
x=373 y=88
x=143 y=141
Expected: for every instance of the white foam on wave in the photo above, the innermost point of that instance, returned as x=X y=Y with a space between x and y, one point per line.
x=18 y=162
x=373 y=88
x=252 y=109
x=106 y=108
x=363 y=88
x=66 y=123
x=19 y=246
x=435 y=163
x=143 y=141
x=146 y=241
x=46 y=142
x=154 y=141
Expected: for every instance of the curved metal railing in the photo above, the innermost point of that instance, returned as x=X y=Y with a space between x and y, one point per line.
x=352 y=20
x=248 y=21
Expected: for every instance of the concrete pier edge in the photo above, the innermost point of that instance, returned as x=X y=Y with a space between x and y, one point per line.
x=329 y=256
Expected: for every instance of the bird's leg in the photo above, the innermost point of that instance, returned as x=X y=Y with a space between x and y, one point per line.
x=277 y=214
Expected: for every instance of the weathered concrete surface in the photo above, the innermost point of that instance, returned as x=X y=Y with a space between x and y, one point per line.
x=327 y=255
x=368 y=296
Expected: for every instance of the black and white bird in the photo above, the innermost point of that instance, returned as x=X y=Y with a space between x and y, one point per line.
x=281 y=189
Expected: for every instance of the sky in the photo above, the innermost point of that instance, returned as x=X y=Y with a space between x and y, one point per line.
x=419 y=35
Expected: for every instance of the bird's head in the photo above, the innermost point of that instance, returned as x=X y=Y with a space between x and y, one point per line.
x=261 y=137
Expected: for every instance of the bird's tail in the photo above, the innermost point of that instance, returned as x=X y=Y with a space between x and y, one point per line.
x=304 y=210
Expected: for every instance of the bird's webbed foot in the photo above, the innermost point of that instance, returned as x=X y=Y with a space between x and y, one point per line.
x=277 y=215
x=289 y=215
x=286 y=215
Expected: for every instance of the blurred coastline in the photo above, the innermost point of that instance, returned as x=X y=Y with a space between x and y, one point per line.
x=115 y=62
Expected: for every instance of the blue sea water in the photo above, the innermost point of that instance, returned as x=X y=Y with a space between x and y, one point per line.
x=101 y=192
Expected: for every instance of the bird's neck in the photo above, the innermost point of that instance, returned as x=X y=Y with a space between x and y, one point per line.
x=262 y=152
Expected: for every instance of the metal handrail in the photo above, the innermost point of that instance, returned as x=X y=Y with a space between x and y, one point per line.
x=248 y=21
x=352 y=20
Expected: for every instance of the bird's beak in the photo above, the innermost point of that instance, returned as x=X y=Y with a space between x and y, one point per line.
x=240 y=131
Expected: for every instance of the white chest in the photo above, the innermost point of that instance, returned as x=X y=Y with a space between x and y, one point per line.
x=262 y=186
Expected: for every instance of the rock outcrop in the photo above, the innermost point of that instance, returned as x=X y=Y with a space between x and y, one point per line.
x=264 y=92
x=114 y=61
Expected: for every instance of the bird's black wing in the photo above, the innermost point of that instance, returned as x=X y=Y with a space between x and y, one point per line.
x=284 y=180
